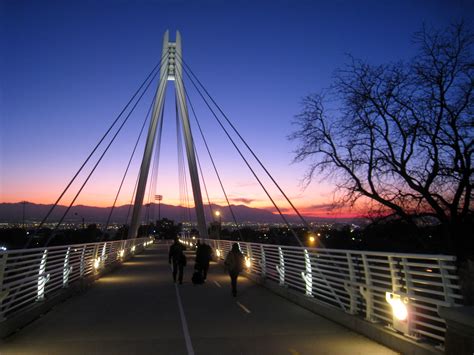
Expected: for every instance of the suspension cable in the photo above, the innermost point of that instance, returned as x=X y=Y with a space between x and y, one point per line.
x=132 y=199
x=203 y=181
x=128 y=165
x=100 y=159
x=181 y=165
x=156 y=163
x=159 y=64
x=211 y=158
x=187 y=68
x=182 y=201
x=246 y=162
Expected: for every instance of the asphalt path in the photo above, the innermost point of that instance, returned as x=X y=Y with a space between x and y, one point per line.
x=139 y=310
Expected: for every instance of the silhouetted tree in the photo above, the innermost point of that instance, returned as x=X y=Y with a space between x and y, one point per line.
x=402 y=135
x=167 y=229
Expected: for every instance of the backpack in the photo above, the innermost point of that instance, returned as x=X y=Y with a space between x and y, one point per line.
x=234 y=262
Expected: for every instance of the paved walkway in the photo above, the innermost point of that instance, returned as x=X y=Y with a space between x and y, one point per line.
x=138 y=310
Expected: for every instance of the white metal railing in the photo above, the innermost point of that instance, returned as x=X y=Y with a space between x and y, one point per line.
x=379 y=286
x=28 y=276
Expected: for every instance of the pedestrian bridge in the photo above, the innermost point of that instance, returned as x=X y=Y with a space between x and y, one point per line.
x=136 y=308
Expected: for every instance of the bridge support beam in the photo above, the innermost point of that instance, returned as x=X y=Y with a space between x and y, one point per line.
x=150 y=140
x=188 y=137
x=171 y=70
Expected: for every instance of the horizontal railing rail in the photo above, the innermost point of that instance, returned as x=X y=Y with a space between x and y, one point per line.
x=29 y=276
x=402 y=291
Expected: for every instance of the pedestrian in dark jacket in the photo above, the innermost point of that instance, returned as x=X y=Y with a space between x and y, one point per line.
x=203 y=257
x=176 y=255
x=234 y=263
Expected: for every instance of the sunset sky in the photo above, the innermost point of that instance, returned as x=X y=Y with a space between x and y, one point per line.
x=68 y=68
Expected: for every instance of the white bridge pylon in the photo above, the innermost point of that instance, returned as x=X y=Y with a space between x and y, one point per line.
x=171 y=69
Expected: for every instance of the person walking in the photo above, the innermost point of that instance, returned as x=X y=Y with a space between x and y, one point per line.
x=176 y=255
x=234 y=264
x=203 y=258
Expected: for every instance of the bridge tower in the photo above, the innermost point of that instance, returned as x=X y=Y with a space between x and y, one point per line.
x=171 y=70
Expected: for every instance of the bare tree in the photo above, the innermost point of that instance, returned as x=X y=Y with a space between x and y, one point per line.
x=400 y=135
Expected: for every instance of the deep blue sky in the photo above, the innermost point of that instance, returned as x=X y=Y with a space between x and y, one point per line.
x=67 y=68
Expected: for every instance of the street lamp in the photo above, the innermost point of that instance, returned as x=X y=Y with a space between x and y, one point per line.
x=159 y=198
x=83 y=223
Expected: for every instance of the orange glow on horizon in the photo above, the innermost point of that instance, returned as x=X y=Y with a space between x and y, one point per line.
x=305 y=211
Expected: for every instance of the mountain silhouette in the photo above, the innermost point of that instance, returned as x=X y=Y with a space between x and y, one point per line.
x=13 y=213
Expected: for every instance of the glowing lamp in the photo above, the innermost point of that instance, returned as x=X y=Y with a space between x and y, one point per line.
x=133 y=249
x=312 y=239
x=96 y=263
x=218 y=253
x=398 y=305
x=247 y=262
x=121 y=253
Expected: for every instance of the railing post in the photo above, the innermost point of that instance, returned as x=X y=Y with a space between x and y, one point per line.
x=66 y=268
x=350 y=286
x=96 y=259
x=3 y=293
x=366 y=291
x=82 y=262
x=103 y=255
x=250 y=255
x=446 y=282
x=405 y=326
x=43 y=278
x=263 y=262
x=281 y=268
x=307 y=275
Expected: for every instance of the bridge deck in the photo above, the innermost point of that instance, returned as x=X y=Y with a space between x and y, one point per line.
x=136 y=310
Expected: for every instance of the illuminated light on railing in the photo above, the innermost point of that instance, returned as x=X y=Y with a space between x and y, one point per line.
x=121 y=253
x=281 y=268
x=218 y=253
x=307 y=275
x=43 y=278
x=66 y=268
x=133 y=249
x=194 y=237
x=248 y=263
x=97 y=263
x=103 y=251
x=429 y=270
x=398 y=305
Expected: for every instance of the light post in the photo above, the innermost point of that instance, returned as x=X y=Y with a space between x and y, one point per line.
x=83 y=222
x=159 y=198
